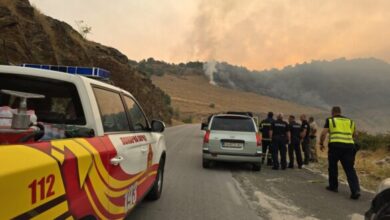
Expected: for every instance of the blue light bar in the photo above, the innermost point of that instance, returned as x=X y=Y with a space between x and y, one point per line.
x=86 y=71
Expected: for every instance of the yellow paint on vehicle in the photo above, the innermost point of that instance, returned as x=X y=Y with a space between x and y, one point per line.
x=58 y=155
x=146 y=177
x=114 y=183
x=92 y=202
x=53 y=212
x=19 y=167
x=84 y=157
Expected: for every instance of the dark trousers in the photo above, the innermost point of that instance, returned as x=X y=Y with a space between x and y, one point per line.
x=279 y=145
x=295 y=147
x=306 y=150
x=346 y=155
x=267 y=146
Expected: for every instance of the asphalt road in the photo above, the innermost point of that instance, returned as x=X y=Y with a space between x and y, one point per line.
x=233 y=191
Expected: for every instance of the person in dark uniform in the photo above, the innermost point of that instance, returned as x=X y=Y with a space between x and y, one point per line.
x=280 y=137
x=341 y=148
x=265 y=127
x=294 y=146
x=305 y=139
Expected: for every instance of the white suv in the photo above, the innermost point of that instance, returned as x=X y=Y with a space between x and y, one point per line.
x=232 y=138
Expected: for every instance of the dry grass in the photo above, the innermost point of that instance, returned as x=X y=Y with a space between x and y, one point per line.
x=10 y=4
x=369 y=171
x=42 y=19
x=193 y=95
x=176 y=122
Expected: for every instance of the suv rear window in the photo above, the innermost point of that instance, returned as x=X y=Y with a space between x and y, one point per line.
x=231 y=123
x=61 y=104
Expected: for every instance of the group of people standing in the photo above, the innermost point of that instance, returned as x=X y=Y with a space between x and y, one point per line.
x=277 y=134
x=299 y=137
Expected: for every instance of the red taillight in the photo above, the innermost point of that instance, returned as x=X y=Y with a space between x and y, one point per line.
x=206 y=137
x=258 y=139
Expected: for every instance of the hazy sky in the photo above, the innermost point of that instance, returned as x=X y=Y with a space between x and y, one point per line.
x=254 y=33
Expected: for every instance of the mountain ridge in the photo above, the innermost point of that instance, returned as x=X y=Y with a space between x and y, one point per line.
x=359 y=86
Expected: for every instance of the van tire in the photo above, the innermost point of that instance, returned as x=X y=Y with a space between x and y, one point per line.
x=156 y=190
x=383 y=212
x=206 y=164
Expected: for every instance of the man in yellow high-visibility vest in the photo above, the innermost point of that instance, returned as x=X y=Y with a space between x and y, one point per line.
x=341 y=148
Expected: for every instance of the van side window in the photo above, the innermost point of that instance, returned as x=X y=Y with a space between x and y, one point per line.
x=112 y=111
x=137 y=117
x=61 y=104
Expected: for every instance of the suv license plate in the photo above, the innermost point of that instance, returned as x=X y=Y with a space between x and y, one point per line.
x=233 y=145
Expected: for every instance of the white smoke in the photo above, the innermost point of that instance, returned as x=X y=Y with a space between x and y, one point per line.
x=209 y=68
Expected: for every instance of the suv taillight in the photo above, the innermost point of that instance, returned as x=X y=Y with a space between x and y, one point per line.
x=258 y=139
x=206 y=137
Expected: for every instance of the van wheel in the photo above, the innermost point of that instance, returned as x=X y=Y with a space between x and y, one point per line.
x=383 y=212
x=206 y=164
x=256 y=166
x=155 y=192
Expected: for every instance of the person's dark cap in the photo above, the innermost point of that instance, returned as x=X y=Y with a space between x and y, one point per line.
x=270 y=114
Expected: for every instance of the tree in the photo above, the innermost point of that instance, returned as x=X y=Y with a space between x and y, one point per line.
x=83 y=28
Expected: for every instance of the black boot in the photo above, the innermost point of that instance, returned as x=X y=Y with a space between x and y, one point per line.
x=355 y=196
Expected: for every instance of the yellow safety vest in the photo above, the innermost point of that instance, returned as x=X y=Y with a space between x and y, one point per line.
x=341 y=130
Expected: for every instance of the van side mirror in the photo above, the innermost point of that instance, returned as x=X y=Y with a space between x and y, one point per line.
x=158 y=126
x=204 y=126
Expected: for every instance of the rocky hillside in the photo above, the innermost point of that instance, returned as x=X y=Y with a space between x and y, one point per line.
x=28 y=36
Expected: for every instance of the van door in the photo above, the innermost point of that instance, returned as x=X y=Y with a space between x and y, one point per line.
x=127 y=165
x=141 y=128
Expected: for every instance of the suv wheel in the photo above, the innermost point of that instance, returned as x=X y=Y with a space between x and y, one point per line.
x=384 y=212
x=206 y=164
x=155 y=192
x=256 y=166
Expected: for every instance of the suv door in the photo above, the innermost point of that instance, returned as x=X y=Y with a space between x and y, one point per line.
x=141 y=127
x=127 y=163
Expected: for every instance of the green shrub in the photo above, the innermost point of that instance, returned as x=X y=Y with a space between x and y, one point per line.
x=176 y=113
x=373 y=142
x=212 y=105
x=188 y=120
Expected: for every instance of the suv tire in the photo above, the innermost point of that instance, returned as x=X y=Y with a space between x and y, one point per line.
x=206 y=164
x=256 y=166
x=155 y=192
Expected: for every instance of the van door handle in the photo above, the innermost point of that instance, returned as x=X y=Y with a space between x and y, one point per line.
x=116 y=160
x=144 y=149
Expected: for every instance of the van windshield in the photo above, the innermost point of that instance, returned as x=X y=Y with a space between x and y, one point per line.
x=233 y=123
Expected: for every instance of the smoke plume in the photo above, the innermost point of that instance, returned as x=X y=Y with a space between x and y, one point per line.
x=209 y=69
x=268 y=33
x=359 y=86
